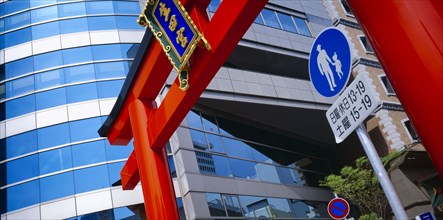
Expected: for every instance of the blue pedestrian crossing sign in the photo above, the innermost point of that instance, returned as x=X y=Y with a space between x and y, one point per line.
x=330 y=62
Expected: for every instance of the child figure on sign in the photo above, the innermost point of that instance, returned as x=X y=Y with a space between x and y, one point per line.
x=337 y=65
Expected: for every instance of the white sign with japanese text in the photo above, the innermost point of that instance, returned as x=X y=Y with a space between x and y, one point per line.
x=353 y=106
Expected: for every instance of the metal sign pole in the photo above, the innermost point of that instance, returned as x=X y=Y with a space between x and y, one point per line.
x=382 y=175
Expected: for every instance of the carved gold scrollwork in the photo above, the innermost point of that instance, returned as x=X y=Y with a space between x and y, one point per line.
x=142 y=20
x=159 y=34
x=151 y=2
x=168 y=48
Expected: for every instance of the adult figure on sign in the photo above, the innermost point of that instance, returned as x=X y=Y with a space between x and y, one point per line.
x=323 y=61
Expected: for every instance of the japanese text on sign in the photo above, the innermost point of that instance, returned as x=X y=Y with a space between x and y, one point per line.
x=356 y=103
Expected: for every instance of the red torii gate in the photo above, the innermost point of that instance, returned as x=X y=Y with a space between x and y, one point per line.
x=151 y=127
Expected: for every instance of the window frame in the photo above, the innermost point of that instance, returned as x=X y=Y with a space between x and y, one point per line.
x=408 y=131
x=387 y=86
x=363 y=42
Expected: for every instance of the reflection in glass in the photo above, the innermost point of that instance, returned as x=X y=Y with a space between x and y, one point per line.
x=18 y=37
x=102 y=23
x=77 y=55
x=92 y=178
x=84 y=129
x=100 y=7
x=255 y=207
x=57 y=186
x=286 y=22
x=21 y=144
x=302 y=26
x=83 y=92
x=73 y=25
x=268 y=173
x=55 y=160
x=215 y=143
x=243 y=169
x=19 y=67
x=88 y=153
x=48 y=60
x=121 y=7
x=20 y=106
x=79 y=73
x=16 y=21
x=199 y=139
x=49 y=79
x=43 y=14
x=22 y=195
x=209 y=124
x=21 y=169
x=53 y=136
x=279 y=208
x=114 y=173
x=232 y=206
x=270 y=18
x=19 y=86
x=109 y=70
x=45 y=30
x=237 y=148
x=194 y=120
x=73 y=9
x=215 y=204
x=50 y=98
x=128 y=23
x=107 y=52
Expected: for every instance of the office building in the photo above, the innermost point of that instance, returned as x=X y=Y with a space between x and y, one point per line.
x=255 y=145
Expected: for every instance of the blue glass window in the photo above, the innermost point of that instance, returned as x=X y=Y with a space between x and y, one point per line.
x=19 y=86
x=213 y=5
x=20 y=106
x=280 y=208
x=88 y=153
x=215 y=204
x=2 y=29
x=194 y=120
x=118 y=152
x=55 y=160
x=114 y=173
x=49 y=79
x=79 y=73
x=232 y=206
x=21 y=169
x=19 y=67
x=22 y=195
x=128 y=50
x=2 y=92
x=302 y=26
x=15 y=5
x=259 y=20
x=172 y=166
x=51 y=98
x=84 y=129
x=42 y=2
x=73 y=25
x=109 y=89
x=255 y=207
x=209 y=123
x=286 y=22
x=222 y=167
x=44 y=14
x=48 y=60
x=215 y=143
x=73 y=9
x=77 y=55
x=91 y=179
x=102 y=23
x=80 y=93
x=45 y=30
x=107 y=52
x=122 y=7
x=270 y=18
x=199 y=139
x=268 y=173
x=100 y=7
x=237 y=148
x=17 y=20
x=243 y=169
x=57 y=186
x=18 y=37
x=21 y=144
x=2 y=111
x=53 y=136
x=128 y=22
x=109 y=70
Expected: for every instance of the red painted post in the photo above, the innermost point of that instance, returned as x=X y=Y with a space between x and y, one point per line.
x=407 y=37
x=153 y=168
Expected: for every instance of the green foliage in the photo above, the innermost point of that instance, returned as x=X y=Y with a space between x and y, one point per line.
x=370 y=216
x=360 y=186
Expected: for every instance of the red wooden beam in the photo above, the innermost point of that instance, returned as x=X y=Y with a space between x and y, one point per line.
x=407 y=37
x=228 y=25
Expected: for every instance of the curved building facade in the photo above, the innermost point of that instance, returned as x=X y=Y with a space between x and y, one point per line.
x=62 y=65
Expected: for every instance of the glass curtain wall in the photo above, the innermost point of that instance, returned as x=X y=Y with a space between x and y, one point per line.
x=56 y=160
